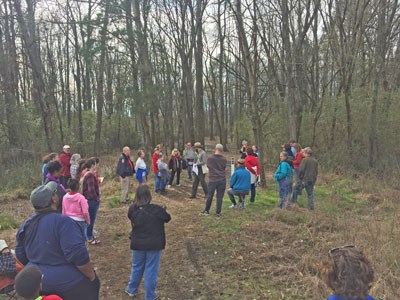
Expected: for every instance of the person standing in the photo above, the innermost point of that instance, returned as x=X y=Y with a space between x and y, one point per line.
x=296 y=166
x=189 y=155
x=141 y=168
x=216 y=164
x=75 y=158
x=55 y=244
x=283 y=175
x=65 y=160
x=200 y=177
x=53 y=175
x=154 y=159
x=162 y=173
x=308 y=174
x=47 y=159
x=125 y=170
x=175 y=166
x=253 y=166
x=147 y=242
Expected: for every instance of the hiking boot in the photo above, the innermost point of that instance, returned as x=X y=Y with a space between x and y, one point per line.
x=129 y=293
x=217 y=216
x=204 y=213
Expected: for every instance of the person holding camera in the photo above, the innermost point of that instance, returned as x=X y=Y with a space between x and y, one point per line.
x=147 y=242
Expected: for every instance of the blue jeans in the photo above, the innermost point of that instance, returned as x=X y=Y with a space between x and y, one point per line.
x=147 y=262
x=190 y=167
x=284 y=189
x=83 y=226
x=156 y=182
x=93 y=208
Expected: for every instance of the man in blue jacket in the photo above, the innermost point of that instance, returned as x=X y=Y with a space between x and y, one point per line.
x=239 y=183
x=55 y=244
x=125 y=170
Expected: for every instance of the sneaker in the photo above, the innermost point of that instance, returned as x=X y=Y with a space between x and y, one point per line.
x=169 y=186
x=217 y=216
x=233 y=206
x=178 y=185
x=129 y=293
x=204 y=213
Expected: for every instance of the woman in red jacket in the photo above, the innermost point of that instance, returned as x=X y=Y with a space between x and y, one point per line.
x=253 y=166
x=296 y=166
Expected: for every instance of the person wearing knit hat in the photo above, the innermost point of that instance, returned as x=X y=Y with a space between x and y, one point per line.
x=28 y=284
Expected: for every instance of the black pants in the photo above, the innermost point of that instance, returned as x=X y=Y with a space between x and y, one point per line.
x=199 y=178
x=220 y=187
x=84 y=290
x=64 y=180
x=178 y=176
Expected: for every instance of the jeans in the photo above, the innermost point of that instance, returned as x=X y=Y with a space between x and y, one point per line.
x=93 y=208
x=309 y=186
x=83 y=226
x=284 y=188
x=156 y=182
x=147 y=262
x=162 y=183
x=218 y=186
x=253 y=193
x=190 y=167
x=241 y=194
x=202 y=179
x=178 y=176
x=84 y=290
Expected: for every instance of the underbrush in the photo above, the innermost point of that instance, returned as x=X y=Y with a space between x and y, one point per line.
x=7 y=222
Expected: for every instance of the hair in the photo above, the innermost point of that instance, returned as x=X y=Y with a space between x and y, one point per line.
x=140 y=152
x=75 y=158
x=90 y=162
x=284 y=153
x=53 y=166
x=173 y=150
x=249 y=150
x=160 y=155
x=292 y=141
x=27 y=282
x=48 y=157
x=96 y=159
x=81 y=166
x=297 y=146
x=348 y=273
x=142 y=196
x=73 y=184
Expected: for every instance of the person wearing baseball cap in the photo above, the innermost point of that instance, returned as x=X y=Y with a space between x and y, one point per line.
x=65 y=160
x=200 y=177
x=59 y=253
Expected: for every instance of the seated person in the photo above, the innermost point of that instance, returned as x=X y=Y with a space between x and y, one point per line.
x=28 y=284
x=9 y=267
x=348 y=273
x=239 y=184
x=60 y=253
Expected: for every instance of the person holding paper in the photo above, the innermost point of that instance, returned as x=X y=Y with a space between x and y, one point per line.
x=199 y=170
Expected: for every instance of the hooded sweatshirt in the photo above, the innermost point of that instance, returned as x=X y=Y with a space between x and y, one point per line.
x=76 y=207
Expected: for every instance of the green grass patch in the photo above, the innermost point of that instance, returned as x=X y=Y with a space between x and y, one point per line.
x=8 y=222
x=114 y=201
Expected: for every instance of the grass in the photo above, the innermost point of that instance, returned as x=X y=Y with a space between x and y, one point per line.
x=8 y=222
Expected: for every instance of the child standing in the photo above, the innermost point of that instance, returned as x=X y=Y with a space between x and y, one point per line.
x=283 y=176
x=141 y=168
x=76 y=207
x=162 y=173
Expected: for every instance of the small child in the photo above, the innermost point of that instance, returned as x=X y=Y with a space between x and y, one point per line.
x=348 y=273
x=28 y=284
x=75 y=158
x=162 y=173
x=283 y=176
x=76 y=206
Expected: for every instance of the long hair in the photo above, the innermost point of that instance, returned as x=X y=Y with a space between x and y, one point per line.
x=142 y=196
x=348 y=273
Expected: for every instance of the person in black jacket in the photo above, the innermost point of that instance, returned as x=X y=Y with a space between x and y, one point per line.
x=147 y=242
x=125 y=170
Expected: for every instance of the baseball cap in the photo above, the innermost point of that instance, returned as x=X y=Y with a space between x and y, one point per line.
x=67 y=147
x=197 y=145
x=3 y=245
x=41 y=196
x=240 y=161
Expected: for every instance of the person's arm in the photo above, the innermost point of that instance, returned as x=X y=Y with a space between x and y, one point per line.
x=88 y=271
x=120 y=168
x=20 y=248
x=302 y=169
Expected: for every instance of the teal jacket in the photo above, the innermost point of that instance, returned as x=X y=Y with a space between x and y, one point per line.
x=240 y=180
x=283 y=171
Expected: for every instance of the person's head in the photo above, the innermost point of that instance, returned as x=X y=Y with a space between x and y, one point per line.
x=75 y=158
x=348 y=272
x=50 y=157
x=255 y=148
x=307 y=151
x=197 y=146
x=286 y=147
x=188 y=145
x=73 y=185
x=249 y=151
x=140 y=154
x=28 y=282
x=45 y=197
x=90 y=164
x=142 y=196
x=297 y=147
x=158 y=147
x=174 y=152
x=283 y=156
x=218 y=149
x=244 y=143
x=292 y=143
x=160 y=156
x=67 y=149
x=54 y=168
x=126 y=150
x=240 y=162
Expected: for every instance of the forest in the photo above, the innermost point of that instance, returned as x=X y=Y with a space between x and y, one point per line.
x=101 y=74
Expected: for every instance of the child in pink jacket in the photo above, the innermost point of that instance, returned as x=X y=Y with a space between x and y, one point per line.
x=76 y=206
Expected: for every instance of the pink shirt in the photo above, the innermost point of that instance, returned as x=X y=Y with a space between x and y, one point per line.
x=75 y=206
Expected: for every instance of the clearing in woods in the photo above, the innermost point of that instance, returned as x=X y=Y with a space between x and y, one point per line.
x=257 y=253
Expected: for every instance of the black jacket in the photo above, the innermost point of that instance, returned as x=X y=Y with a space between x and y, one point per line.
x=148 y=232
x=124 y=168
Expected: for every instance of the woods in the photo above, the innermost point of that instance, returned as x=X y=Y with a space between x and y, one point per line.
x=100 y=74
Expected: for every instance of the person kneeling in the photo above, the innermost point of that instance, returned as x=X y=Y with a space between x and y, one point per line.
x=239 y=184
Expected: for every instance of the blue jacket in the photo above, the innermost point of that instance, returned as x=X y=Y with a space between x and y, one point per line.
x=283 y=171
x=125 y=168
x=240 y=180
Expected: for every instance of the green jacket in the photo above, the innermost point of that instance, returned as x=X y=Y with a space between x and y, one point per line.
x=308 y=169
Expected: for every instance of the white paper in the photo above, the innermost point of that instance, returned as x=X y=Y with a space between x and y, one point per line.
x=195 y=170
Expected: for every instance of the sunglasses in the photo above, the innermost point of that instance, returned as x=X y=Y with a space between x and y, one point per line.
x=333 y=250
